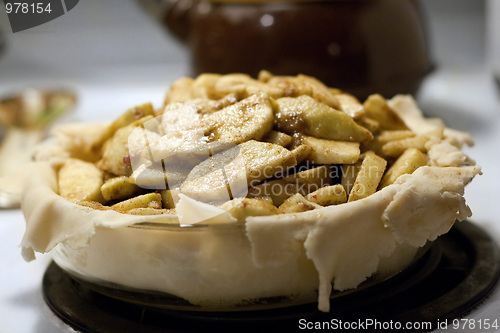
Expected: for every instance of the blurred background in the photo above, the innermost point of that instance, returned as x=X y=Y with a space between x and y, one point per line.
x=116 y=44
x=114 y=54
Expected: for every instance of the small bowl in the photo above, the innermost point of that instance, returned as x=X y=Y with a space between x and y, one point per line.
x=25 y=118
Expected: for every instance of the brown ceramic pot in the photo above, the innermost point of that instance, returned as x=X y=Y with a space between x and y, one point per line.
x=361 y=46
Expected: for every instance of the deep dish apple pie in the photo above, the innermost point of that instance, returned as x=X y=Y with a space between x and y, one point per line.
x=239 y=189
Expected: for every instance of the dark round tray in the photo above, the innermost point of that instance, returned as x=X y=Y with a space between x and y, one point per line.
x=459 y=270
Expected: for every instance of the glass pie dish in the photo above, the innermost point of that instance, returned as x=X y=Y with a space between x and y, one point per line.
x=150 y=268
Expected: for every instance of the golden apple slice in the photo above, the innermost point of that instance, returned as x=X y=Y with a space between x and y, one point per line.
x=307 y=115
x=80 y=181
